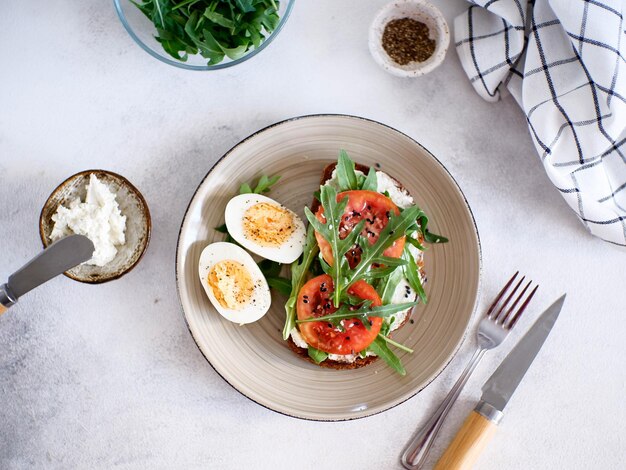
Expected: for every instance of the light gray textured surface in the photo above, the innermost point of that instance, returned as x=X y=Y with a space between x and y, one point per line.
x=108 y=376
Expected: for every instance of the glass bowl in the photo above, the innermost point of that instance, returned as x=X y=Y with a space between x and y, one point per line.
x=142 y=30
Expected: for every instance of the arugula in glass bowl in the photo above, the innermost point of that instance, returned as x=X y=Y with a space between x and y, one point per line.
x=203 y=34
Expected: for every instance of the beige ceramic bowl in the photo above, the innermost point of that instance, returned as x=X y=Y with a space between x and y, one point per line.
x=133 y=206
x=253 y=358
x=420 y=10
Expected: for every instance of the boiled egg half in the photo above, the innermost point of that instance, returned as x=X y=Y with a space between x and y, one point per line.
x=234 y=283
x=265 y=227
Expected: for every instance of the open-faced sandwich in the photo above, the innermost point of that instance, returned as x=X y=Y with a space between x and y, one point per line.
x=361 y=272
x=358 y=270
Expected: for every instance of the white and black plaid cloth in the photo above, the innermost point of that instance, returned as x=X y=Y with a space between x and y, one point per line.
x=564 y=61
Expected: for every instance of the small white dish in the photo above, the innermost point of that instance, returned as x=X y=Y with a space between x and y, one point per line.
x=419 y=10
x=133 y=206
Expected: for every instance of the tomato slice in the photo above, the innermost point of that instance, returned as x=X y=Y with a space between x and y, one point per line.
x=370 y=206
x=314 y=300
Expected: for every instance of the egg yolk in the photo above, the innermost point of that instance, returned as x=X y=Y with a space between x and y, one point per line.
x=231 y=284
x=268 y=224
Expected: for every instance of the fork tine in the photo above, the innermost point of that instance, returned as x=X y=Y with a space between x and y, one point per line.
x=521 y=309
x=498 y=318
x=512 y=307
x=500 y=294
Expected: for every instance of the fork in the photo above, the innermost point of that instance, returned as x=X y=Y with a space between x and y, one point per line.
x=492 y=331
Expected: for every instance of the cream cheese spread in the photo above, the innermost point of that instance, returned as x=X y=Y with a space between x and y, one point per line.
x=98 y=218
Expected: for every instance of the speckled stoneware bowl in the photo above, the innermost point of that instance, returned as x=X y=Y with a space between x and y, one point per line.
x=132 y=205
x=419 y=10
x=253 y=358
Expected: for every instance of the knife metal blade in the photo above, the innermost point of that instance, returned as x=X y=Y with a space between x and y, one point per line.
x=499 y=388
x=54 y=260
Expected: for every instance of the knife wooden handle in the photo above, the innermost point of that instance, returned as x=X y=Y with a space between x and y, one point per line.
x=6 y=298
x=468 y=443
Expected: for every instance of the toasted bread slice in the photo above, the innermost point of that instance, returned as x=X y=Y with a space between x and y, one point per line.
x=360 y=361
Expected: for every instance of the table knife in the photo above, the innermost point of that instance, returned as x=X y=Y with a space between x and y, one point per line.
x=54 y=260
x=481 y=424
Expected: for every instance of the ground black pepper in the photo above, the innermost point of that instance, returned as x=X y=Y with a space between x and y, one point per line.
x=406 y=40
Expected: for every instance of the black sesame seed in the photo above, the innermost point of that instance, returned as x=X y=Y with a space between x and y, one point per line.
x=412 y=321
x=305 y=301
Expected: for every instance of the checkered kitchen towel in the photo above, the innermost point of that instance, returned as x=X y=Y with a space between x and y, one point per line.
x=564 y=61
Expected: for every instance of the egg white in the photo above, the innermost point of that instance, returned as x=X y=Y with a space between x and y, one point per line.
x=260 y=301
x=287 y=252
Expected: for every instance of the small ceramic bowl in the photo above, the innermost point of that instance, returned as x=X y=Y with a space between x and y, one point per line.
x=419 y=10
x=132 y=205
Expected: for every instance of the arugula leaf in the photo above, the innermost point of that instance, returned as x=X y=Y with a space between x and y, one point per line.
x=415 y=243
x=270 y=268
x=271 y=272
x=221 y=228
x=346 y=175
x=380 y=348
x=348 y=179
x=434 y=238
x=333 y=212
x=212 y=28
x=263 y=185
x=364 y=311
x=299 y=269
x=429 y=237
x=245 y=189
x=317 y=355
x=388 y=288
x=281 y=284
x=371 y=181
x=245 y=5
x=411 y=271
x=373 y=254
x=389 y=266
x=397 y=345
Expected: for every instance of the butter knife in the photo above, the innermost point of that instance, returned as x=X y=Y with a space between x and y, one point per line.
x=480 y=425
x=54 y=260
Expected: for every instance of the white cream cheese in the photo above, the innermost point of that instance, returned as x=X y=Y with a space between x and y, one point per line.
x=98 y=218
x=299 y=341
x=400 y=197
x=403 y=292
